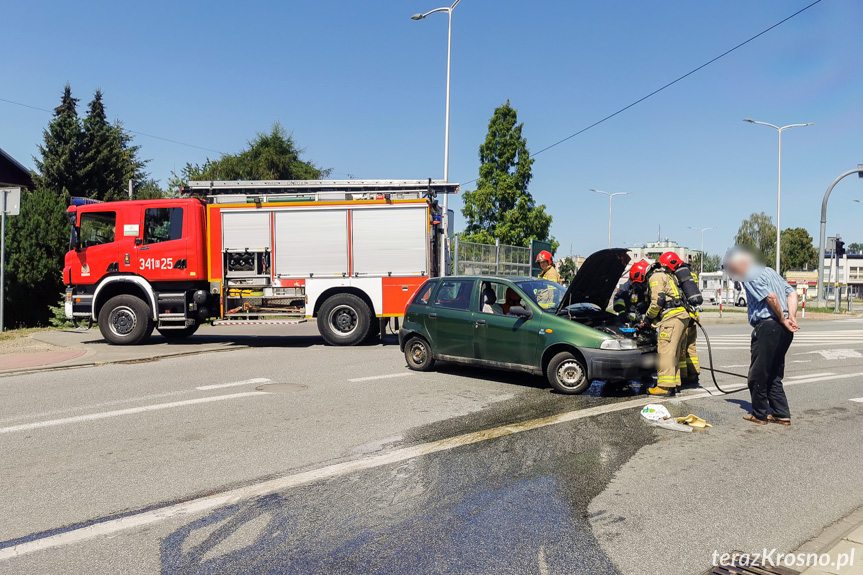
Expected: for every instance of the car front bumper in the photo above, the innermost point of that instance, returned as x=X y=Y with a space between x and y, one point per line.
x=610 y=365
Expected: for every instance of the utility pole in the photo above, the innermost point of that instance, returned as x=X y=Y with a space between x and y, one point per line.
x=822 y=245
x=702 y=230
x=10 y=203
x=779 y=180
x=610 y=197
x=445 y=219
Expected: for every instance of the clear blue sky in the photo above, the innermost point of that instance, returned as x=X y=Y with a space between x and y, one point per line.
x=362 y=88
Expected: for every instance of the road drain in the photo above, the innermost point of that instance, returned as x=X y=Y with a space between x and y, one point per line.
x=739 y=568
x=281 y=387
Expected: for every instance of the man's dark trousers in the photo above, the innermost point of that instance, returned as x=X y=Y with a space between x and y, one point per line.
x=770 y=343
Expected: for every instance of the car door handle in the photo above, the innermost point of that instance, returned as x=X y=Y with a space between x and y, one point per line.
x=432 y=315
x=480 y=322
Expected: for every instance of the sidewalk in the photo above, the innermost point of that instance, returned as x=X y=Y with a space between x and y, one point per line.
x=58 y=349
x=837 y=540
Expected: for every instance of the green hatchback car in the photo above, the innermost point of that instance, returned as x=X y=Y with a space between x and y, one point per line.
x=530 y=325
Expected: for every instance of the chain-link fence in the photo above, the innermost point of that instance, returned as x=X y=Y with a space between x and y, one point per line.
x=491 y=260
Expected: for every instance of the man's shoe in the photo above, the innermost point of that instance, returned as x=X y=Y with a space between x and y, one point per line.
x=692 y=382
x=753 y=419
x=656 y=390
x=779 y=420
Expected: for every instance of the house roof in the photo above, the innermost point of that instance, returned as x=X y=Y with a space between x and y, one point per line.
x=12 y=173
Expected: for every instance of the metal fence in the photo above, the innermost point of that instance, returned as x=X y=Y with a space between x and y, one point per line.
x=499 y=259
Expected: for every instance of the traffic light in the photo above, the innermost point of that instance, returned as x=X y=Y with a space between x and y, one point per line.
x=840 y=248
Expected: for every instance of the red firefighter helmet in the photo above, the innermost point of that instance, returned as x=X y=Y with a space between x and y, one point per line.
x=638 y=270
x=670 y=260
x=544 y=255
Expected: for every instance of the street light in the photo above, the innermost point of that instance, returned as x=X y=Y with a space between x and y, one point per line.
x=445 y=222
x=702 y=230
x=779 y=180
x=610 y=196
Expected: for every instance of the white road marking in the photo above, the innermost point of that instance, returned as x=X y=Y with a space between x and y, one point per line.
x=388 y=376
x=208 y=503
x=233 y=384
x=95 y=405
x=808 y=375
x=839 y=353
x=858 y=399
x=810 y=379
x=540 y=559
x=734 y=366
x=121 y=412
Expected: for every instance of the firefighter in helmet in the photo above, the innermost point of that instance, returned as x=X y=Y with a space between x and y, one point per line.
x=631 y=300
x=549 y=272
x=668 y=312
x=690 y=370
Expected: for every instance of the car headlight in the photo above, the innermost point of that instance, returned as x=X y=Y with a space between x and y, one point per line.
x=618 y=344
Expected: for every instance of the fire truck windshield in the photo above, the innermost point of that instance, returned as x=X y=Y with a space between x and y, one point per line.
x=97 y=228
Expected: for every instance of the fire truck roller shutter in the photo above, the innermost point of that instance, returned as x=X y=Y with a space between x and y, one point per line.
x=390 y=241
x=243 y=230
x=311 y=243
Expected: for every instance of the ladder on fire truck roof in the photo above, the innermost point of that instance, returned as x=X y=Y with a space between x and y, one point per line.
x=317 y=190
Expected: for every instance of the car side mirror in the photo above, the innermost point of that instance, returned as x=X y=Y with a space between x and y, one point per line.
x=519 y=311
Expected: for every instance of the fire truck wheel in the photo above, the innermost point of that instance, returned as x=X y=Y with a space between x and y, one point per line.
x=178 y=334
x=125 y=320
x=344 y=319
x=418 y=354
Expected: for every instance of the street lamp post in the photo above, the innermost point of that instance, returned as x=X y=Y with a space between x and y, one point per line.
x=702 y=230
x=445 y=219
x=779 y=179
x=610 y=197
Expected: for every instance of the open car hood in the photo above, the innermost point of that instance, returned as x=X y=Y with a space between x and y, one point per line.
x=597 y=278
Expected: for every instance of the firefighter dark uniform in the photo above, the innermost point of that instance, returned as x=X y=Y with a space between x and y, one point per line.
x=690 y=370
x=668 y=313
x=631 y=301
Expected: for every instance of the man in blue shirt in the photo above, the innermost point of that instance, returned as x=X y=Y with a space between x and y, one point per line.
x=772 y=309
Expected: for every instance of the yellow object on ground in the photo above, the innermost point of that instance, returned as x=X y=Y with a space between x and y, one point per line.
x=693 y=421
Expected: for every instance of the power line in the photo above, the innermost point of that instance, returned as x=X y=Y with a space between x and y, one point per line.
x=668 y=85
x=130 y=131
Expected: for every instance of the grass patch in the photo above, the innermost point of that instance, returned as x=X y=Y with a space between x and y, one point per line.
x=11 y=334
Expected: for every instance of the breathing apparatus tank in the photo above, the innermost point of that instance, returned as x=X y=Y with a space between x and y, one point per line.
x=687 y=284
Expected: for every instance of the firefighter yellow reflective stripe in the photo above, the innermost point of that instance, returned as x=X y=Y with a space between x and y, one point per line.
x=673 y=311
x=693 y=360
x=653 y=284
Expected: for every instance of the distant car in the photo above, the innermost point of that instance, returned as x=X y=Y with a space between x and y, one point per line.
x=565 y=334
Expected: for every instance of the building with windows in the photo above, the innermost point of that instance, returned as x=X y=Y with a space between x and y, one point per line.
x=652 y=250
x=12 y=173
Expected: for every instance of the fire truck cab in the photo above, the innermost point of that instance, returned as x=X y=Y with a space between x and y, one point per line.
x=349 y=254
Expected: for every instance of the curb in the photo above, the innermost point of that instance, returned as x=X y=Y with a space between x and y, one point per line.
x=46 y=368
x=832 y=535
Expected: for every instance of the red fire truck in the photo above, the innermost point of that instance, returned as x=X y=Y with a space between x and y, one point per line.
x=255 y=252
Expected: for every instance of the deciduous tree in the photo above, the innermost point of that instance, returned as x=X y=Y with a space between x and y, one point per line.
x=759 y=233
x=798 y=253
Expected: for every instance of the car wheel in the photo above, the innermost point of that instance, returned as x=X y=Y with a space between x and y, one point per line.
x=178 y=334
x=567 y=374
x=344 y=319
x=418 y=354
x=741 y=302
x=125 y=320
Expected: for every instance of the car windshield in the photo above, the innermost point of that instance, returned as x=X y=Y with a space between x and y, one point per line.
x=546 y=294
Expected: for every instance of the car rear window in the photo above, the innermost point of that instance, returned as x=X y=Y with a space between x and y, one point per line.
x=454 y=294
x=424 y=293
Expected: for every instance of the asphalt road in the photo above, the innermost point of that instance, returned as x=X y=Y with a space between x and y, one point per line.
x=297 y=457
